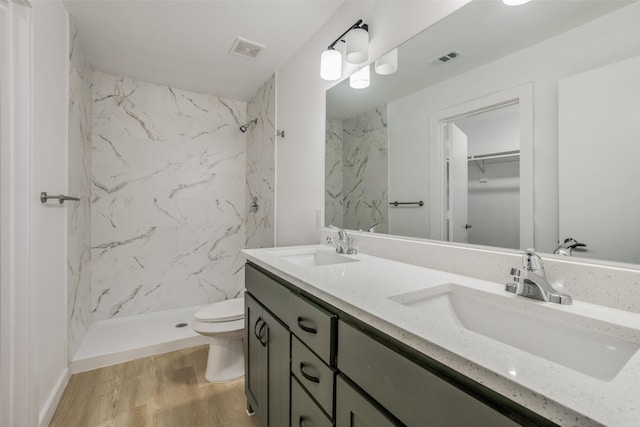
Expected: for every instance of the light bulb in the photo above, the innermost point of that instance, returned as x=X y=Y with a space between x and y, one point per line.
x=360 y=79
x=388 y=64
x=515 y=2
x=331 y=65
x=357 y=46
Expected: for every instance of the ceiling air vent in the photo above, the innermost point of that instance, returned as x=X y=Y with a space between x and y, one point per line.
x=445 y=58
x=246 y=48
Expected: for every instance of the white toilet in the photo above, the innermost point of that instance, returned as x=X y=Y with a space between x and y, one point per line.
x=223 y=322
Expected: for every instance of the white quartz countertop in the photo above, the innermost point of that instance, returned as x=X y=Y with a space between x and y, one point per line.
x=562 y=395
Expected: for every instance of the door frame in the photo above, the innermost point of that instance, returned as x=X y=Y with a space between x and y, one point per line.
x=18 y=403
x=523 y=95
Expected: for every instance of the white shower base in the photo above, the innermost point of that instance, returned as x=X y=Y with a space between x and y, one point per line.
x=112 y=341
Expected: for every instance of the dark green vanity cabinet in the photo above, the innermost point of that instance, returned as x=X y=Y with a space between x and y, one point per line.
x=353 y=409
x=313 y=354
x=310 y=364
x=267 y=350
x=411 y=393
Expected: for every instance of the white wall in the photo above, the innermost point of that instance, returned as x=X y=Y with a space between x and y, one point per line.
x=49 y=222
x=300 y=110
x=493 y=131
x=578 y=50
x=494 y=206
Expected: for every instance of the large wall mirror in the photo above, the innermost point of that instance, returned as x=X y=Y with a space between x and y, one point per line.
x=509 y=127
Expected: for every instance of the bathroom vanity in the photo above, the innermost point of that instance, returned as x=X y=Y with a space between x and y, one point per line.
x=360 y=340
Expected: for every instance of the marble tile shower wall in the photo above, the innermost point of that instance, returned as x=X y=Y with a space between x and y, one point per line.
x=168 y=208
x=79 y=185
x=261 y=169
x=365 y=171
x=333 y=171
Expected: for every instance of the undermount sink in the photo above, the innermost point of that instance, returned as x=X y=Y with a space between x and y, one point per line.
x=316 y=258
x=584 y=349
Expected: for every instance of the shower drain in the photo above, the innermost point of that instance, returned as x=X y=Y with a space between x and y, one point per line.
x=181 y=325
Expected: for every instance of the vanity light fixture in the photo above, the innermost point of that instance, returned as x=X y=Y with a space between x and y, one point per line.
x=387 y=64
x=515 y=2
x=361 y=78
x=357 y=51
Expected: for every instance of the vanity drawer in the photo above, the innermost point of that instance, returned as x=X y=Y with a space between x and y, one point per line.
x=425 y=398
x=313 y=374
x=353 y=409
x=270 y=293
x=304 y=411
x=314 y=326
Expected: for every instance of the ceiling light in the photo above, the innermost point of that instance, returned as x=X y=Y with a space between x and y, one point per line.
x=388 y=64
x=357 y=51
x=360 y=79
x=331 y=65
x=515 y=2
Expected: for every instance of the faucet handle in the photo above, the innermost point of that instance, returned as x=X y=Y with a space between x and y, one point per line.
x=342 y=235
x=531 y=261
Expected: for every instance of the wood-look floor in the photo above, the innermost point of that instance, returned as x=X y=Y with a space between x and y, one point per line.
x=168 y=390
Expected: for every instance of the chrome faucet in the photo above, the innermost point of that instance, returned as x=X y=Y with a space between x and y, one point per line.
x=567 y=247
x=530 y=281
x=371 y=229
x=343 y=242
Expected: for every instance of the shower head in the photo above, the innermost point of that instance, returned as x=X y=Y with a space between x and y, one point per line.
x=245 y=126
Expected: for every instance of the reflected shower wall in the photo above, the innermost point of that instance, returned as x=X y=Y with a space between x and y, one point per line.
x=356 y=171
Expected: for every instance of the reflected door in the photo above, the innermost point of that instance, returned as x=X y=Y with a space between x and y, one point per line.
x=458 y=184
x=599 y=149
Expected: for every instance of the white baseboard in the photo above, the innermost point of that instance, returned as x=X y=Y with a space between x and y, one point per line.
x=50 y=406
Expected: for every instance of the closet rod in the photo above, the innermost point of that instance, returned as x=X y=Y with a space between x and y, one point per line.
x=499 y=155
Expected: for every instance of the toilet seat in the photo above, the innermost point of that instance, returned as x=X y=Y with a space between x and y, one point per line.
x=223 y=311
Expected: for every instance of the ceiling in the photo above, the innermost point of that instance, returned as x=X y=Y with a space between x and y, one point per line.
x=483 y=31
x=185 y=43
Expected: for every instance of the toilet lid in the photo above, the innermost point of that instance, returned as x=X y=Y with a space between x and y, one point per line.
x=223 y=311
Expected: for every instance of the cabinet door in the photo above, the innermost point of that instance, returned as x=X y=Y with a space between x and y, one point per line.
x=354 y=410
x=278 y=368
x=255 y=360
x=304 y=411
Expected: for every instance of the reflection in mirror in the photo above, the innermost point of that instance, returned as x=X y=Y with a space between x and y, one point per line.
x=383 y=143
x=483 y=178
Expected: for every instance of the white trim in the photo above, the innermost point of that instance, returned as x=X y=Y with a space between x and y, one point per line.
x=49 y=408
x=524 y=96
x=18 y=405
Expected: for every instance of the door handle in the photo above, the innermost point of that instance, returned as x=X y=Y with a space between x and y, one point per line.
x=255 y=329
x=264 y=343
x=467 y=226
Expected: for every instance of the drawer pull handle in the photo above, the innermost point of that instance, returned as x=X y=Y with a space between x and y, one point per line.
x=302 y=420
x=309 y=329
x=307 y=376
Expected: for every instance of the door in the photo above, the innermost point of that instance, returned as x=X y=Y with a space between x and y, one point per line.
x=354 y=410
x=267 y=366
x=278 y=371
x=458 y=184
x=599 y=178
x=255 y=366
